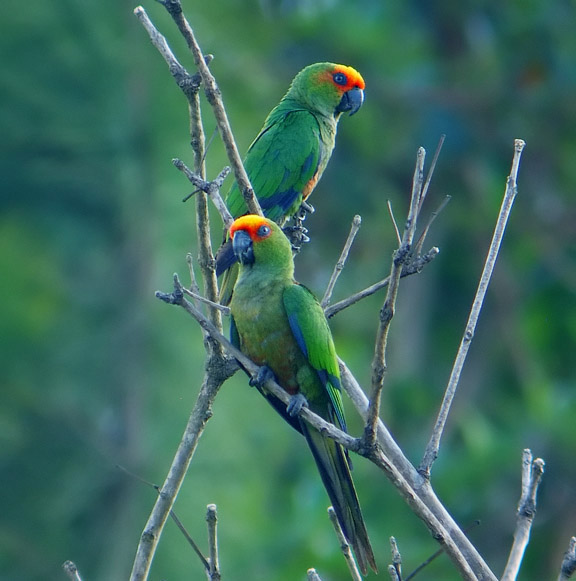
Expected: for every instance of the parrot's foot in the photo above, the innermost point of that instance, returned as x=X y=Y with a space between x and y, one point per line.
x=263 y=375
x=297 y=236
x=296 y=403
x=305 y=208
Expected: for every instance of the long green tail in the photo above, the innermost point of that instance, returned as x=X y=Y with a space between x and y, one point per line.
x=335 y=472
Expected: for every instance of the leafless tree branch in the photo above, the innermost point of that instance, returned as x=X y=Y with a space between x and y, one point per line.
x=212 y=520
x=415 y=266
x=532 y=471
x=568 y=567
x=344 y=546
x=339 y=267
x=433 y=446
x=387 y=310
x=71 y=571
x=214 y=97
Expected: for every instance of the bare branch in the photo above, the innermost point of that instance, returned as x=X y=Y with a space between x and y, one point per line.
x=344 y=546
x=212 y=520
x=569 y=563
x=219 y=371
x=432 y=448
x=413 y=267
x=418 y=493
x=311 y=575
x=339 y=267
x=211 y=188
x=387 y=310
x=71 y=571
x=395 y=569
x=431 y=172
x=532 y=471
x=394 y=223
x=433 y=216
x=200 y=298
x=173 y=516
x=214 y=97
x=188 y=83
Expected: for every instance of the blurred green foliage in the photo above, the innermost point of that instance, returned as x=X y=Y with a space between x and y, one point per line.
x=97 y=373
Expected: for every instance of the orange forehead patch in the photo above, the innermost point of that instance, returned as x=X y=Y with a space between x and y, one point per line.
x=355 y=79
x=351 y=77
x=250 y=224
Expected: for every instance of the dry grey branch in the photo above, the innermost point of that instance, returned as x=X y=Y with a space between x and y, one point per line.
x=415 y=266
x=387 y=310
x=212 y=520
x=339 y=267
x=433 y=446
x=532 y=471
x=71 y=571
x=211 y=188
x=214 y=97
x=418 y=493
x=201 y=299
x=344 y=546
x=395 y=569
x=568 y=567
x=311 y=575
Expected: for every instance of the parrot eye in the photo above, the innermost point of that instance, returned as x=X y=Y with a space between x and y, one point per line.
x=340 y=79
x=264 y=231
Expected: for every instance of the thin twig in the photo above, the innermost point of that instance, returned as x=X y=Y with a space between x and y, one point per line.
x=212 y=520
x=418 y=492
x=413 y=267
x=433 y=216
x=433 y=446
x=532 y=471
x=173 y=516
x=344 y=546
x=200 y=414
x=214 y=97
x=431 y=171
x=396 y=565
x=394 y=223
x=211 y=188
x=311 y=575
x=435 y=555
x=188 y=83
x=200 y=298
x=71 y=571
x=387 y=310
x=339 y=267
x=568 y=567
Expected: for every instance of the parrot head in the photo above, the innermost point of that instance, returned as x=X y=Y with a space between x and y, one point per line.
x=329 y=89
x=259 y=241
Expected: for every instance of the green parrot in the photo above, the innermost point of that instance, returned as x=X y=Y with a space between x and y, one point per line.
x=289 y=155
x=280 y=325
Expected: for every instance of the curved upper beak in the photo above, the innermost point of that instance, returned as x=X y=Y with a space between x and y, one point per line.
x=351 y=101
x=242 y=244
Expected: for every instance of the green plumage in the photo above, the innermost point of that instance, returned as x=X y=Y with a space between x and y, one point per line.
x=279 y=324
x=289 y=155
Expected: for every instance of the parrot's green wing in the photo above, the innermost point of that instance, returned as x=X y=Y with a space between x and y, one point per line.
x=281 y=163
x=313 y=336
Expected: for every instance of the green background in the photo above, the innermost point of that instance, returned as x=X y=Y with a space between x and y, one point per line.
x=95 y=372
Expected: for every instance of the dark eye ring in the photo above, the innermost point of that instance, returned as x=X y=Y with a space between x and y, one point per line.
x=340 y=79
x=263 y=231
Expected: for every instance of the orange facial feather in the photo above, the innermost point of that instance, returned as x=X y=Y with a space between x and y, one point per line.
x=353 y=78
x=251 y=223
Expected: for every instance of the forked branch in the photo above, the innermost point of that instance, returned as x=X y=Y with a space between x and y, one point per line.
x=433 y=446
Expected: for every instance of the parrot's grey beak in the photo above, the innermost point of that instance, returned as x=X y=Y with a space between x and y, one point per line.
x=242 y=244
x=351 y=101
